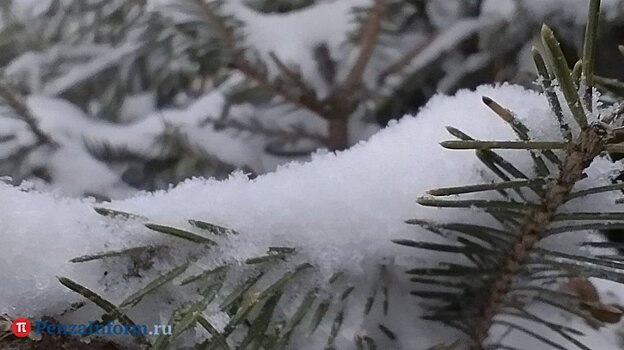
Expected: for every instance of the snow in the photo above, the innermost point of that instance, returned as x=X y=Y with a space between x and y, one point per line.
x=80 y=73
x=59 y=69
x=505 y=9
x=27 y=66
x=575 y=10
x=72 y=128
x=295 y=45
x=540 y=10
x=137 y=106
x=447 y=40
x=293 y=37
x=26 y=9
x=339 y=210
x=445 y=13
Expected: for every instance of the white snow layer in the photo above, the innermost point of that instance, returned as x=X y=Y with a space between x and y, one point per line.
x=540 y=10
x=72 y=129
x=339 y=210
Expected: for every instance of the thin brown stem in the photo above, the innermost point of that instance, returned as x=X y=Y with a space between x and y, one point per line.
x=26 y=115
x=404 y=60
x=369 y=36
x=305 y=100
x=291 y=74
x=295 y=134
x=338 y=106
x=580 y=154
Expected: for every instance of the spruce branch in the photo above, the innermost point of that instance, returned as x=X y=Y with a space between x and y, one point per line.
x=404 y=60
x=523 y=133
x=338 y=106
x=292 y=75
x=369 y=35
x=257 y=128
x=218 y=24
x=563 y=74
x=431 y=49
x=489 y=145
x=589 y=144
x=26 y=115
x=589 y=51
x=309 y=101
x=254 y=72
x=577 y=72
x=257 y=292
x=112 y=312
x=491 y=159
x=546 y=82
x=487 y=187
x=514 y=270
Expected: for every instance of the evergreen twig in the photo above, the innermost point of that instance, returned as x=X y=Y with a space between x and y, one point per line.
x=26 y=115
x=551 y=96
x=588 y=146
x=589 y=51
x=563 y=74
x=368 y=41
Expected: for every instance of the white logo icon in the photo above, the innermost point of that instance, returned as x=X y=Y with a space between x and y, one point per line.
x=21 y=327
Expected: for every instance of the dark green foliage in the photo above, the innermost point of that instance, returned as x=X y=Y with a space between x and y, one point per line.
x=251 y=294
x=505 y=269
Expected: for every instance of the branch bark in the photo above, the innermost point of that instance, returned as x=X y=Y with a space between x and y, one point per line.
x=369 y=36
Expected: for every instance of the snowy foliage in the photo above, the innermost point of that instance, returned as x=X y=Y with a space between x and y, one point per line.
x=339 y=211
x=227 y=109
x=128 y=65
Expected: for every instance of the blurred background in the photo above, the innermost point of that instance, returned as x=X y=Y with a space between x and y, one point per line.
x=104 y=98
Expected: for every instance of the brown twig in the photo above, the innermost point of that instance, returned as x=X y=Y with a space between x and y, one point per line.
x=404 y=60
x=369 y=36
x=25 y=114
x=344 y=100
x=294 y=76
x=337 y=106
x=252 y=71
x=590 y=143
x=433 y=48
x=308 y=101
x=325 y=64
x=258 y=128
